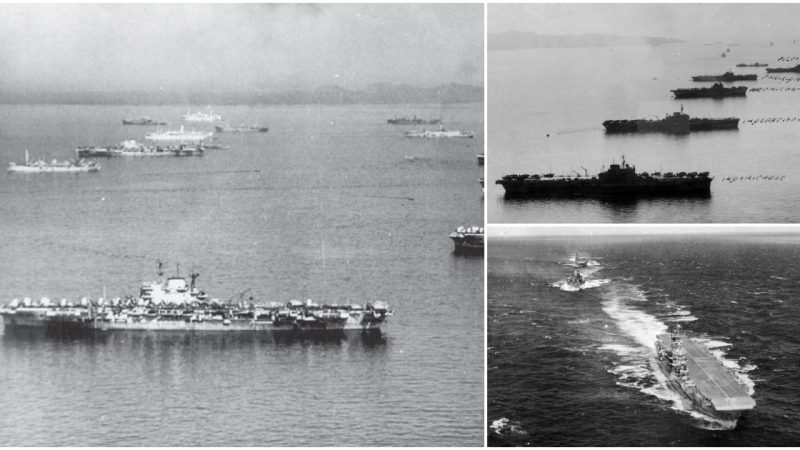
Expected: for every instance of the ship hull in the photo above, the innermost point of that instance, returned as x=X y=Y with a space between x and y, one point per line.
x=677 y=187
x=795 y=69
x=725 y=79
x=468 y=244
x=710 y=93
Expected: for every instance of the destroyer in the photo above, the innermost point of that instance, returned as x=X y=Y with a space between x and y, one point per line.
x=677 y=123
x=620 y=180
x=795 y=69
x=173 y=305
x=715 y=91
x=695 y=373
x=726 y=77
x=54 y=166
x=576 y=280
x=468 y=240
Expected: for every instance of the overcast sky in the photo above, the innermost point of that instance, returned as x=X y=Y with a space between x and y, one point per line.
x=733 y=23
x=238 y=46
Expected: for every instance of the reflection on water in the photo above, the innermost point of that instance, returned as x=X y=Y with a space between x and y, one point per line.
x=612 y=209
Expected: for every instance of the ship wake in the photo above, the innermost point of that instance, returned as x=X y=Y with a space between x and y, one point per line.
x=635 y=364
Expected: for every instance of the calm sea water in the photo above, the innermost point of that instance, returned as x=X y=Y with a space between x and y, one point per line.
x=567 y=93
x=578 y=368
x=332 y=204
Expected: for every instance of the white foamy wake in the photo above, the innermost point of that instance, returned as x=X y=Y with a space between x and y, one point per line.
x=503 y=426
x=637 y=366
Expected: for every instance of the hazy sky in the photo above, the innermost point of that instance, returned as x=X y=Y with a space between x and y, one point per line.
x=692 y=22
x=238 y=46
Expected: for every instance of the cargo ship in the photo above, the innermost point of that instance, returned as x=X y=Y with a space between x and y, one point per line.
x=54 y=166
x=695 y=373
x=715 y=91
x=677 y=123
x=173 y=305
x=795 y=69
x=620 y=180
x=468 y=240
x=726 y=77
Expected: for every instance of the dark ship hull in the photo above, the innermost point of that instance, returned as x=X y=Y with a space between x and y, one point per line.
x=468 y=240
x=618 y=181
x=694 y=124
x=413 y=121
x=717 y=91
x=142 y=122
x=752 y=65
x=726 y=77
x=795 y=69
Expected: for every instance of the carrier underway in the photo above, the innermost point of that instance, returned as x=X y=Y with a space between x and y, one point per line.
x=620 y=180
x=173 y=305
x=694 y=372
x=677 y=123
x=726 y=77
x=715 y=91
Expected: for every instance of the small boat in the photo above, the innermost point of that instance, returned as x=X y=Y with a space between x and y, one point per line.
x=145 y=120
x=440 y=133
x=54 y=166
x=201 y=116
x=240 y=128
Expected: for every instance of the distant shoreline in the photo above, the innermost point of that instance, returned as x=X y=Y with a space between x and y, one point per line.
x=378 y=94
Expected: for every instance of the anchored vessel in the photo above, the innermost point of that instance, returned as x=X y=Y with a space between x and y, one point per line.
x=677 y=123
x=440 y=133
x=133 y=148
x=620 y=180
x=752 y=65
x=695 y=373
x=172 y=305
x=715 y=91
x=146 y=120
x=179 y=135
x=41 y=166
x=468 y=239
x=795 y=69
x=240 y=128
x=727 y=77
x=201 y=116
x=413 y=121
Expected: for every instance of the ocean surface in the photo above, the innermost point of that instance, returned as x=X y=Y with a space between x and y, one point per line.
x=577 y=368
x=545 y=114
x=332 y=204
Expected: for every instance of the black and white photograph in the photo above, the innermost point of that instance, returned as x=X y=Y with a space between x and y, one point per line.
x=643 y=113
x=242 y=225
x=643 y=335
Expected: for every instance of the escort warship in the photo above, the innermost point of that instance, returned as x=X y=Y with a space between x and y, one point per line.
x=677 y=123
x=173 y=305
x=726 y=77
x=695 y=373
x=715 y=91
x=468 y=240
x=795 y=69
x=620 y=180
